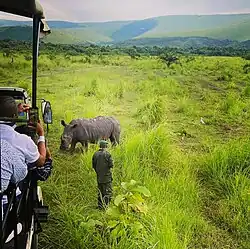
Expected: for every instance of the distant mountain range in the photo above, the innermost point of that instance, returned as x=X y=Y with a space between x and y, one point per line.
x=160 y=30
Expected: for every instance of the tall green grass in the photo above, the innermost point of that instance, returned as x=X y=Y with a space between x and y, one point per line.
x=225 y=174
x=197 y=175
x=149 y=159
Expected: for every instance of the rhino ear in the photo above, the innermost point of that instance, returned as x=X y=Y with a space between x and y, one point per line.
x=73 y=126
x=63 y=123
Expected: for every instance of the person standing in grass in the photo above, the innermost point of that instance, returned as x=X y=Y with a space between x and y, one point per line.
x=102 y=163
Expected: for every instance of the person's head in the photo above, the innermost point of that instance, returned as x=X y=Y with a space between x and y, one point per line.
x=8 y=107
x=103 y=144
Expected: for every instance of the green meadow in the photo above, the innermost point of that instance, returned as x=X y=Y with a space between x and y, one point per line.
x=185 y=141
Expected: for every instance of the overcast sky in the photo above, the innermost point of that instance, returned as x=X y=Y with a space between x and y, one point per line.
x=107 y=10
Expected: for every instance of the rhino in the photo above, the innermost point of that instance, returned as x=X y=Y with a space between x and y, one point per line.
x=90 y=131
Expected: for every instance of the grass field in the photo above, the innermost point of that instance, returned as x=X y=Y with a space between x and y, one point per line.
x=197 y=172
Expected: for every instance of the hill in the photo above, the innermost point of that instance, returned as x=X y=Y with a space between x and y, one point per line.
x=168 y=25
x=180 y=42
x=21 y=33
x=220 y=27
x=235 y=31
x=76 y=36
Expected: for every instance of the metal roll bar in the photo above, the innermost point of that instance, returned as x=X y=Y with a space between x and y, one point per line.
x=31 y=9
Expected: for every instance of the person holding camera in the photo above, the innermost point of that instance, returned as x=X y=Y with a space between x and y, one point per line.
x=41 y=173
x=31 y=153
x=28 y=154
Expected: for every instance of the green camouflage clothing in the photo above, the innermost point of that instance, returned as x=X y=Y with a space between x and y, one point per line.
x=102 y=163
x=104 y=194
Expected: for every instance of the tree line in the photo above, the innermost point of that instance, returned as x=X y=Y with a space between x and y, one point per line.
x=11 y=47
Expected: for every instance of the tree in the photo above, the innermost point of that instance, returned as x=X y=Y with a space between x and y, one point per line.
x=169 y=59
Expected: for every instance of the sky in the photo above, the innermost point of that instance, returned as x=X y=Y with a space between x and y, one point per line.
x=111 y=10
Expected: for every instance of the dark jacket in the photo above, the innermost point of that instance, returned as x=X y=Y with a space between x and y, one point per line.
x=102 y=163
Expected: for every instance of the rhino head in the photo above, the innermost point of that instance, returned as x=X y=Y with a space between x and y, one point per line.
x=67 y=135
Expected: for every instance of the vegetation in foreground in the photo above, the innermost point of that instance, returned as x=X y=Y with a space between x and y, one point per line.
x=182 y=170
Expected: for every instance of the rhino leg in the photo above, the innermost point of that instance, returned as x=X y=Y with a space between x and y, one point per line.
x=73 y=145
x=84 y=146
x=117 y=138
x=113 y=140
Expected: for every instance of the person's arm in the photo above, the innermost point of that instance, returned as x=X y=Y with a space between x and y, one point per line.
x=41 y=146
x=22 y=107
x=94 y=162
x=110 y=161
x=43 y=173
x=36 y=154
x=32 y=151
x=48 y=153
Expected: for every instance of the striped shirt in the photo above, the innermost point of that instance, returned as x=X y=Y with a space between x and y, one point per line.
x=13 y=168
x=42 y=173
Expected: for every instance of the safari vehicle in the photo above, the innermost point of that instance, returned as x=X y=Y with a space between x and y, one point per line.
x=29 y=208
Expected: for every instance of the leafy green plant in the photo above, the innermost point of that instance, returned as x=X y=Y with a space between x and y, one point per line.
x=90 y=225
x=124 y=215
x=122 y=218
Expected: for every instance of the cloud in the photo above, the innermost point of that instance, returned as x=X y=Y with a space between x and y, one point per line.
x=106 y=10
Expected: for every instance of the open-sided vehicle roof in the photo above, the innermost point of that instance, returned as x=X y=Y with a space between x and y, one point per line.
x=15 y=92
x=26 y=8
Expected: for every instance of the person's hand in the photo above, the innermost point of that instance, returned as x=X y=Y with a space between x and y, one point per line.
x=20 y=108
x=39 y=128
x=26 y=107
x=23 y=107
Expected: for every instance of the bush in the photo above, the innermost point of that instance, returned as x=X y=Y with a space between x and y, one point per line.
x=151 y=113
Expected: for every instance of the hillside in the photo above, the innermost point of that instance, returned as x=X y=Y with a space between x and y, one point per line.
x=168 y=25
x=220 y=27
x=180 y=42
x=16 y=33
x=236 y=31
x=75 y=36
